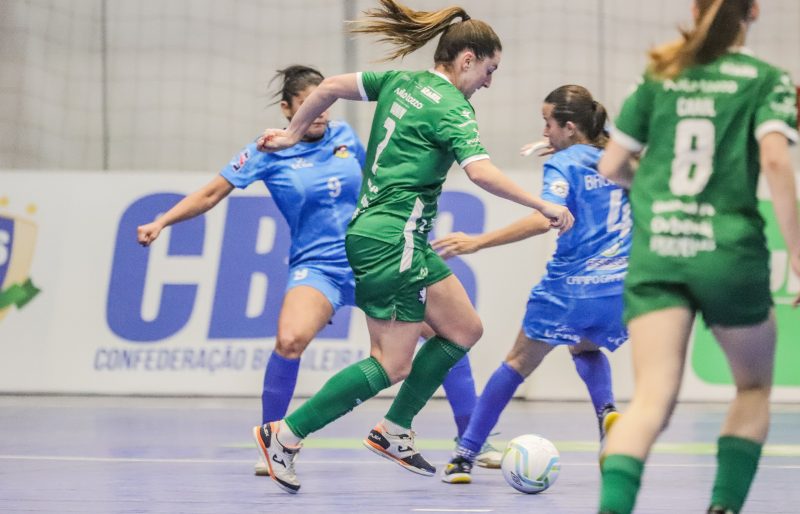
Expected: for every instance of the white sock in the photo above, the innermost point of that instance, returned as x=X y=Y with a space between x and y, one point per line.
x=393 y=428
x=285 y=435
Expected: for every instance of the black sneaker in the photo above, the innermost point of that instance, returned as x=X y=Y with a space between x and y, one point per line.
x=398 y=448
x=457 y=471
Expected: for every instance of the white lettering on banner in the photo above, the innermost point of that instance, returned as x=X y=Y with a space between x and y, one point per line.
x=405 y=95
x=215 y=359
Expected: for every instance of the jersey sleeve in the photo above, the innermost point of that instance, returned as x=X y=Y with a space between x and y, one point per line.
x=777 y=109
x=248 y=166
x=556 y=186
x=459 y=133
x=370 y=83
x=631 y=129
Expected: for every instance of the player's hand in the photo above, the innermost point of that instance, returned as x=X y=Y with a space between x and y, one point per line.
x=540 y=148
x=457 y=243
x=559 y=216
x=273 y=140
x=146 y=234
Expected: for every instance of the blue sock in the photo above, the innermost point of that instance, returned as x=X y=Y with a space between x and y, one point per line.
x=279 y=381
x=494 y=398
x=460 y=389
x=593 y=368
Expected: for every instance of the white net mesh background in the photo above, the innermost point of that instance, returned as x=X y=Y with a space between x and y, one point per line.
x=181 y=85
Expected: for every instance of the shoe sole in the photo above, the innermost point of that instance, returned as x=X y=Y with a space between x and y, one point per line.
x=488 y=465
x=457 y=478
x=265 y=455
x=386 y=455
x=261 y=469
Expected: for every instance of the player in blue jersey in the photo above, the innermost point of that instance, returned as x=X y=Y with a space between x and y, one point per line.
x=315 y=185
x=578 y=303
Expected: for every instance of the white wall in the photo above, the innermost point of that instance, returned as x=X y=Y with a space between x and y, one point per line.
x=182 y=85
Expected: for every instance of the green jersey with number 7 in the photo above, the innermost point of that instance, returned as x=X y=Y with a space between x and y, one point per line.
x=422 y=124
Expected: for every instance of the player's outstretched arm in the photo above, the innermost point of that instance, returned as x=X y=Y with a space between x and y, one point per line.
x=616 y=164
x=488 y=177
x=192 y=205
x=776 y=165
x=459 y=243
x=323 y=96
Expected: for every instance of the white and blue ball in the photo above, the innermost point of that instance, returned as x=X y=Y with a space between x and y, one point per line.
x=530 y=463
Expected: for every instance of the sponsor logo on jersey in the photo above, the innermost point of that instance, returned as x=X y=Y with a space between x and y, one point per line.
x=17 y=242
x=341 y=152
x=585 y=280
x=430 y=93
x=397 y=110
x=300 y=274
x=405 y=95
x=423 y=295
x=738 y=70
x=701 y=86
x=560 y=188
x=240 y=161
x=300 y=163
x=562 y=333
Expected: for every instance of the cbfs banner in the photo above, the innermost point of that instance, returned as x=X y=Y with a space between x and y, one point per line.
x=195 y=313
x=85 y=309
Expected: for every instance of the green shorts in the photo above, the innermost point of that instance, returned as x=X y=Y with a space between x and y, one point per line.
x=727 y=291
x=391 y=279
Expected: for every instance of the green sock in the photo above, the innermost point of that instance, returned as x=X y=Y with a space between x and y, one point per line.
x=350 y=387
x=737 y=462
x=432 y=363
x=622 y=477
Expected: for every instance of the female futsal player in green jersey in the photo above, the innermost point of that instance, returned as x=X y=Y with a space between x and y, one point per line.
x=423 y=122
x=711 y=116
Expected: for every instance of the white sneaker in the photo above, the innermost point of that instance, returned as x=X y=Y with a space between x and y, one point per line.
x=279 y=458
x=398 y=448
x=489 y=456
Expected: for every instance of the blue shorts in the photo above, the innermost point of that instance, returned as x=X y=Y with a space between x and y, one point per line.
x=335 y=282
x=556 y=320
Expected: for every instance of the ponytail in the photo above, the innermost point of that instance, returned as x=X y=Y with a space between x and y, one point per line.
x=716 y=30
x=409 y=30
x=575 y=103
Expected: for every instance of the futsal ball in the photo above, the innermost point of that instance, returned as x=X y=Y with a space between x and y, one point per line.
x=530 y=463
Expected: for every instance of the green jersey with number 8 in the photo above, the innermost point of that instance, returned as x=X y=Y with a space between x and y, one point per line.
x=422 y=124
x=695 y=189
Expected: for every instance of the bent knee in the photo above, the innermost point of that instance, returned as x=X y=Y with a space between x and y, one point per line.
x=396 y=371
x=291 y=345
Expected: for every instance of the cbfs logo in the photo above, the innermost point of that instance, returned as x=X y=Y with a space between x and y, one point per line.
x=152 y=298
x=17 y=242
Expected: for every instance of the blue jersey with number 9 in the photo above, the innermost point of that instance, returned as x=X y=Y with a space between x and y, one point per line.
x=315 y=186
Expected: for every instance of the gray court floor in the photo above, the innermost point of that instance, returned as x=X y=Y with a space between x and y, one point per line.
x=165 y=455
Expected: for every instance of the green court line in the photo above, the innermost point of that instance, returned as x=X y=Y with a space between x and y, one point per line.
x=332 y=443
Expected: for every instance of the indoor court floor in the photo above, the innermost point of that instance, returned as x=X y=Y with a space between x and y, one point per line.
x=195 y=455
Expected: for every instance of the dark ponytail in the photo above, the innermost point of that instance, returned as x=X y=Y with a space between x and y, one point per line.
x=575 y=103
x=296 y=79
